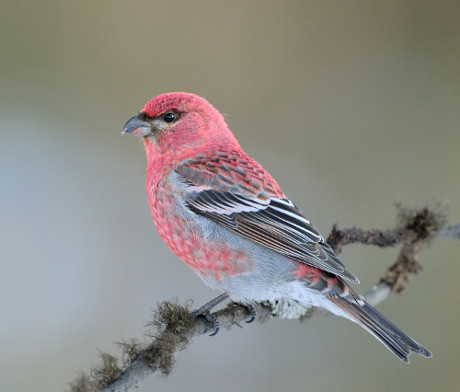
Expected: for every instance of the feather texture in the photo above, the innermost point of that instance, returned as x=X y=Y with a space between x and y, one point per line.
x=237 y=201
x=228 y=219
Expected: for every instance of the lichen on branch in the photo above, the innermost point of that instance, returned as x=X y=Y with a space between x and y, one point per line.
x=173 y=326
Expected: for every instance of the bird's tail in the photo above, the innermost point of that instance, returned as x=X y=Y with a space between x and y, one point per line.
x=378 y=325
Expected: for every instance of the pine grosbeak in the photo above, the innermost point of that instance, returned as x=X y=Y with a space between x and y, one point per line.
x=227 y=218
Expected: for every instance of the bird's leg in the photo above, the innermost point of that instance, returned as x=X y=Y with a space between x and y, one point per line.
x=209 y=305
x=205 y=311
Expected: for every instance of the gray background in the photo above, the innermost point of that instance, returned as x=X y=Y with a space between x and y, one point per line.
x=351 y=105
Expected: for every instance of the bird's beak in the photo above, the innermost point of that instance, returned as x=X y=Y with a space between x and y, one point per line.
x=137 y=126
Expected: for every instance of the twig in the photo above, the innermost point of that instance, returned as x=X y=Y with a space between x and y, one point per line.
x=451 y=231
x=175 y=326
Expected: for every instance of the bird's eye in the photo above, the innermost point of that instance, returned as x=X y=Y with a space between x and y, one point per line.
x=170 y=117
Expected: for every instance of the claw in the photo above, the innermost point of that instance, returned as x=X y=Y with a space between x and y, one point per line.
x=209 y=317
x=205 y=311
x=252 y=311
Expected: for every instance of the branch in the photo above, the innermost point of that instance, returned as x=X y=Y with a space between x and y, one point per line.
x=174 y=326
x=451 y=231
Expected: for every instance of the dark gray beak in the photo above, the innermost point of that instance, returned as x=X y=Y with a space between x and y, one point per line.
x=138 y=126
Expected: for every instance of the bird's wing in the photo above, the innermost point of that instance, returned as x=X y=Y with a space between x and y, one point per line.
x=250 y=203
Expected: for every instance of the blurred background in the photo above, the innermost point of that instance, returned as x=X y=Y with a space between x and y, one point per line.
x=352 y=106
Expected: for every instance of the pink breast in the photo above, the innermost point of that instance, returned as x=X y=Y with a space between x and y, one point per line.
x=186 y=239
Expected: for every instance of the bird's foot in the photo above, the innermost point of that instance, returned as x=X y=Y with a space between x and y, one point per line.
x=252 y=311
x=205 y=311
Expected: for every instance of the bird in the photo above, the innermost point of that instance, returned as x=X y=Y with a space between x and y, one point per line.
x=226 y=217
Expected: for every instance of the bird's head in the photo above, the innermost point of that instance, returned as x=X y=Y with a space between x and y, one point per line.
x=179 y=125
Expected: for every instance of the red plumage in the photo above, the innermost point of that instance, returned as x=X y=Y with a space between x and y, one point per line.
x=228 y=219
